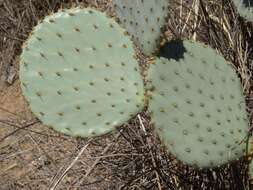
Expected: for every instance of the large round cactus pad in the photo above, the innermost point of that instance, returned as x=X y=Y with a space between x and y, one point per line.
x=79 y=73
x=197 y=105
x=245 y=8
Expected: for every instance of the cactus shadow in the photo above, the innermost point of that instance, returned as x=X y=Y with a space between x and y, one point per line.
x=173 y=50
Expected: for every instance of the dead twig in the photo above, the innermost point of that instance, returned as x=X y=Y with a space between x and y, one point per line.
x=55 y=183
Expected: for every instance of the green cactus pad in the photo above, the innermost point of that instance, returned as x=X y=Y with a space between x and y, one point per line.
x=144 y=20
x=245 y=8
x=79 y=73
x=197 y=106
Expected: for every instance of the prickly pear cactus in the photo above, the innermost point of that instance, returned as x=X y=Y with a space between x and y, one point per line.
x=144 y=20
x=79 y=74
x=245 y=8
x=197 y=106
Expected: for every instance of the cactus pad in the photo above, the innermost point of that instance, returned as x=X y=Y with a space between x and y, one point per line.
x=144 y=20
x=245 y=8
x=79 y=73
x=197 y=106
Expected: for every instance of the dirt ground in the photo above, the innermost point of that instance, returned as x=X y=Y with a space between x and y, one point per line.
x=32 y=156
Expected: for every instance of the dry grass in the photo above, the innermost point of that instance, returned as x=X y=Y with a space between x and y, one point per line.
x=35 y=157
